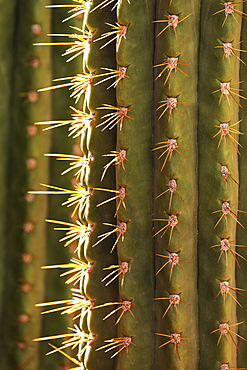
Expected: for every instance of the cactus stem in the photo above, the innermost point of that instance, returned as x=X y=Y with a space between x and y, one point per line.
x=119 y=158
x=224 y=130
x=114 y=118
x=26 y=363
x=175 y=338
x=118 y=30
x=117 y=270
x=226 y=210
x=171 y=64
x=173 y=260
x=171 y=104
x=171 y=145
x=121 y=229
x=225 y=289
x=172 y=21
x=224 y=330
x=123 y=342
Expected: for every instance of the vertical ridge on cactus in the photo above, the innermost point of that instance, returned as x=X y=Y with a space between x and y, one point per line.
x=24 y=216
x=241 y=233
x=223 y=109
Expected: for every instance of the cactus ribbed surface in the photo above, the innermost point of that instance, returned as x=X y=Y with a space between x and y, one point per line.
x=241 y=233
x=60 y=103
x=24 y=243
x=158 y=205
x=23 y=215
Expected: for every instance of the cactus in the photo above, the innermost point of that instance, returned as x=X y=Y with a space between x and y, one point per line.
x=159 y=204
x=58 y=138
x=22 y=276
x=25 y=246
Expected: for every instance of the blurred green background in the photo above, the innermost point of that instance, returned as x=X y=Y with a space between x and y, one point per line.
x=27 y=241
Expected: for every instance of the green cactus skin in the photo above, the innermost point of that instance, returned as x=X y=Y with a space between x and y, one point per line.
x=180 y=166
x=135 y=137
x=241 y=233
x=211 y=112
x=23 y=283
x=201 y=187
x=55 y=254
